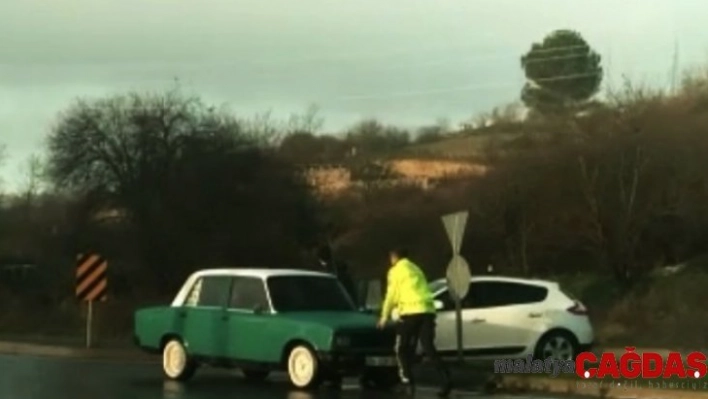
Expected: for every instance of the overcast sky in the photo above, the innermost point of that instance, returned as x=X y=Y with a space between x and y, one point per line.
x=407 y=62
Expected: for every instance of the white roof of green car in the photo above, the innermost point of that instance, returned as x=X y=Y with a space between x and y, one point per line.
x=257 y=272
x=261 y=273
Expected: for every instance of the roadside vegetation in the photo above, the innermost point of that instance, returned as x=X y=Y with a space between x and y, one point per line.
x=602 y=195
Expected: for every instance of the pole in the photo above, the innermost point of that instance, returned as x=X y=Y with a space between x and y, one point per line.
x=458 y=323
x=89 y=321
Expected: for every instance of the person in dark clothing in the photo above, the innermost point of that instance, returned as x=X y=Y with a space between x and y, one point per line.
x=339 y=269
x=408 y=293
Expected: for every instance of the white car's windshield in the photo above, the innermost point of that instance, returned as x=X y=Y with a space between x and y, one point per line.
x=307 y=294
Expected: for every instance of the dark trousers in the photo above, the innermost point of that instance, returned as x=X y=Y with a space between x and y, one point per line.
x=411 y=329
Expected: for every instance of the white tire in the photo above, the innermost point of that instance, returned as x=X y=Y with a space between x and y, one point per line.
x=176 y=363
x=303 y=367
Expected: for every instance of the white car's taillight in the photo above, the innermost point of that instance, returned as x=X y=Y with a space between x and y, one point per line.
x=578 y=309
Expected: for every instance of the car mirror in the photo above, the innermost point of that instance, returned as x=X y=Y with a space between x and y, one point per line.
x=438 y=304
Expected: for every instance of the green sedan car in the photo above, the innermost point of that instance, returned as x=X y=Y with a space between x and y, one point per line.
x=264 y=320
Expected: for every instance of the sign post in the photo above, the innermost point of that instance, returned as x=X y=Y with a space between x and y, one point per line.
x=91 y=285
x=89 y=322
x=458 y=272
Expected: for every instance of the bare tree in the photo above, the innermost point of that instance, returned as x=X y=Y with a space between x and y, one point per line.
x=308 y=122
x=624 y=175
x=502 y=116
x=264 y=127
x=32 y=171
x=189 y=177
x=434 y=132
x=519 y=197
x=371 y=137
x=306 y=149
x=614 y=211
x=519 y=224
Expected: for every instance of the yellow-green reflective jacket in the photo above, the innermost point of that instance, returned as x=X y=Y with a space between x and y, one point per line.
x=407 y=291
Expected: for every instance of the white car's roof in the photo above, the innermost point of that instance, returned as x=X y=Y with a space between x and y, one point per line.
x=505 y=279
x=258 y=272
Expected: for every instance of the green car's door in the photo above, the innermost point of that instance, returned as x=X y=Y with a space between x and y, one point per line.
x=204 y=315
x=249 y=324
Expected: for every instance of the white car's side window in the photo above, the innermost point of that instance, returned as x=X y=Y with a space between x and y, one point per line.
x=193 y=297
x=493 y=294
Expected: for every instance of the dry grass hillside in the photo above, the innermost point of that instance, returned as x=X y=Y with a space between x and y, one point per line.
x=421 y=172
x=434 y=169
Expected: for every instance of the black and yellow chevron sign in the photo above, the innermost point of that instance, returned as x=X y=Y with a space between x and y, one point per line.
x=91 y=279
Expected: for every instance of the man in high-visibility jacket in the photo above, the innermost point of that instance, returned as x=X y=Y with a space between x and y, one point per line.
x=407 y=291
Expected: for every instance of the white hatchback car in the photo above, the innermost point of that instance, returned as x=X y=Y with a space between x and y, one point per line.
x=506 y=317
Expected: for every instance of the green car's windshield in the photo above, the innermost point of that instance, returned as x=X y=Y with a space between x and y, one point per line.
x=307 y=294
x=437 y=285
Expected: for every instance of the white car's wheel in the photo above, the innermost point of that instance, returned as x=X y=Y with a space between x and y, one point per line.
x=557 y=346
x=303 y=367
x=176 y=363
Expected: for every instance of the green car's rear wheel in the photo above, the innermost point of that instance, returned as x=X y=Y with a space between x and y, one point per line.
x=304 y=367
x=176 y=363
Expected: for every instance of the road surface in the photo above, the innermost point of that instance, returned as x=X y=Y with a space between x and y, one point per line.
x=26 y=377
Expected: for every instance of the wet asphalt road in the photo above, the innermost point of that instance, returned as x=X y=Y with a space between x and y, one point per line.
x=23 y=377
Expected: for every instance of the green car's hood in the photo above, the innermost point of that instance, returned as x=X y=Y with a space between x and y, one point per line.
x=334 y=320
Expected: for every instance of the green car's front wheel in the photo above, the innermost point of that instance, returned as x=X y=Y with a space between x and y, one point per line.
x=176 y=362
x=304 y=367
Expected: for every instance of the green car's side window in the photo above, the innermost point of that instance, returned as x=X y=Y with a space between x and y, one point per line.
x=248 y=293
x=193 y=297
x=211 y=291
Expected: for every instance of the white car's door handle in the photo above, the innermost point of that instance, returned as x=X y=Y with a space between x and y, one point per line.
x=478 y=320
x=534 y=315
